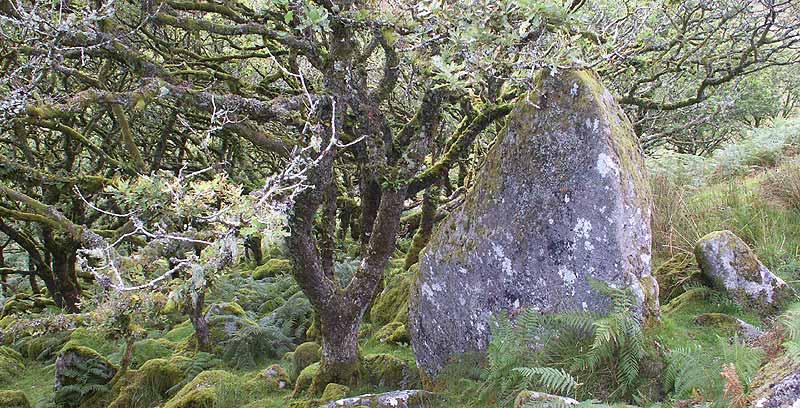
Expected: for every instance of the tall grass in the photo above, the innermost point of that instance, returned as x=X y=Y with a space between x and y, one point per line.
x=750 y=187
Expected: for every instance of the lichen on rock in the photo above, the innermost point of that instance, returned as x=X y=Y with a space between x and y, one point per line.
x=562 y=198
x=730 y=265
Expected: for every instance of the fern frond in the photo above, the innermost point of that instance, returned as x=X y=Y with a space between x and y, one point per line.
x=553 y=380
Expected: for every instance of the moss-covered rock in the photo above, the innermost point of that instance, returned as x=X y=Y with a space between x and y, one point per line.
x=729 y=264
x=305 y=379
x=685 y=299
x=728 y=324
x=393 y=333
x=273 y=378
x=42 y=347
x=204 y=391
x=304 y=355
x=147 y=349
x=392 y=303
x=147 y=386
x=334 y=392
x=13 y=399
x=393 y=399
x=385 y=370
x=225 y=308
x=524 y=397
x=11 y=364
x=81 y=373
x=272 y=267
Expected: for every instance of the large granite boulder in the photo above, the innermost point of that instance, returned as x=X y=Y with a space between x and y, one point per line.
x=730 y=265
x=562 y=199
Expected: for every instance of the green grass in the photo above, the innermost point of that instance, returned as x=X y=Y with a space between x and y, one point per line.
x=36 y=381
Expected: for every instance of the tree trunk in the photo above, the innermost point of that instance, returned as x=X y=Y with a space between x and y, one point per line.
x=423 y=234
x=201 y=331
x=341 y=359
x=253 y=245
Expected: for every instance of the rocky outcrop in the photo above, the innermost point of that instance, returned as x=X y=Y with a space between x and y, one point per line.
x=394 y=399
x=562 y=199
x=728 y=264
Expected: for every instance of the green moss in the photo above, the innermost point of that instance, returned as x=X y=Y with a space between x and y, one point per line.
x=272 y=267
x=7 y=321
x=10 y=363
x=386 y=370
x=92 y=339
x=674 y=274
x=148 y=349
x=226 y=308
x=304 y=355
x=334 y=392
x=271 y=379
x=393 y=333
x=147 y=386
x=180 y=332
x=392 y=304
x=13 y=399
x=305 y=379
x=212 y=389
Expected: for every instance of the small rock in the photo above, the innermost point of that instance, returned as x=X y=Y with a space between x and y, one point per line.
x=557 y=401
x=393 y=399
x=730 y=265
x=729 y=323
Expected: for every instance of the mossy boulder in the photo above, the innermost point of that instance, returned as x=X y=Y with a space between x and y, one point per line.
x=272 y=378
x=393 y=333
x=272 y=267
x=334 y=392
x=562 y=200
x=42 y=347
x=685 y=299
x=391 y=305
x=11 y=364
x=305 y=379
x=148 y=349
x=81 y=373
x=147 y=386
x=13 y=399
x=209 y=389
x=729 y=264
x=304 y=355
x=386 y=370
x=730 y=324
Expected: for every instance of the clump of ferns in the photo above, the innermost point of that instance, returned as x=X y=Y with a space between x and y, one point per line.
x=570 y=354
x=791 y=324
